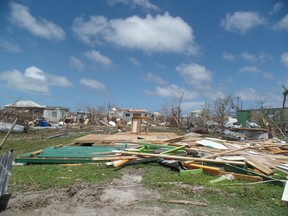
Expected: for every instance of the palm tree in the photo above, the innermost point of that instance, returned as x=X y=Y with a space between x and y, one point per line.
x=285 y=93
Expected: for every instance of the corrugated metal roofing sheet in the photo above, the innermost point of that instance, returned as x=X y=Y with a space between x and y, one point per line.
x=5 y=171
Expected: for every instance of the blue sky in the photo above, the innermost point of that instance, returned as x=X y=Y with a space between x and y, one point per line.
x=143 y=53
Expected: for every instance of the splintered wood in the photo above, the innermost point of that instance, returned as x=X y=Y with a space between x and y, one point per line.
x=257 y=160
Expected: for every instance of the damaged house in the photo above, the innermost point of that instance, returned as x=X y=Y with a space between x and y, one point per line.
x=54 y=113
x=29 y=111
x=271 y=116
x=127 y=114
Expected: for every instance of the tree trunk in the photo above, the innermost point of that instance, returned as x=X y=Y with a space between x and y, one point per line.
x=284 y=101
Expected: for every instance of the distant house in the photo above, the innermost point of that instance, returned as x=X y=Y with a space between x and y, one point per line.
x=30 y=110
x=54 y=113
x=127 y=114
x=26 y=109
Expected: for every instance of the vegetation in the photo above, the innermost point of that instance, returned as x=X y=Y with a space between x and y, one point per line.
x=223 y=198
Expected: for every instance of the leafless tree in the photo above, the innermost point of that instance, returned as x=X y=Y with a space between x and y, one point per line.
x=285 y=93
x=221 y=110
x=172 y=110
x=96 y=113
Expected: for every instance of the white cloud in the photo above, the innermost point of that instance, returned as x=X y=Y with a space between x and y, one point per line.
x=228 y=56
x=76 y=63
x=93 y=84
x=189 y=106
x=155 y=79
x=33 y=80
x=96 y=56
x=196 y=75
x=134 y=61
x=284 y=59
x=282 y=24
x=250 y=57
x=242 y=21
x=20 y=15
x=276 y=8
x=145 y=4
x=249 y=69
x=268 y=75
x=162 y=33
x=10 y=47
x=248 y=94
x=35 y=73
x=173 y=90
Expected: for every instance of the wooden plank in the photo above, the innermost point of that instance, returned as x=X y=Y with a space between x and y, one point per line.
x=185 y=202
x=243 y=176
x=264 y=169
x=198 y=166
x=118 y=163
x=280 y=158
x=8 y=133
x=226 y=152
x=113 y=158
x=33 y=154
x=183 y=158
x=236 y=169
x=173 y=150
x=285 y=193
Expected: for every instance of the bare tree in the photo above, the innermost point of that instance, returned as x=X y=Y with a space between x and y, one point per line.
x=96 y=113
x=285 y=93
x=205 y=115
x=221 y=110
x=260 y=103
x=172 y=110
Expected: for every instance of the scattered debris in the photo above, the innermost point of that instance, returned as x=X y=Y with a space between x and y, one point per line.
x=256 y=160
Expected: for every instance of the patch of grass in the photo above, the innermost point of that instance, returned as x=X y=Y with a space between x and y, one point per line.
x=40 y=177
x=228 y=197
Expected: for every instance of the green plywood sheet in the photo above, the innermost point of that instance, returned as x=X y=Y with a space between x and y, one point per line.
x=67 y=154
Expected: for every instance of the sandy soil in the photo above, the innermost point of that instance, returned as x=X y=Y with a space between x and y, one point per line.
x=124 y=196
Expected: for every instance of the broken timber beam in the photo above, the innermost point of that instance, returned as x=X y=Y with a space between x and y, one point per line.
x=175 y=157
x=226 y=152
x=264 y=169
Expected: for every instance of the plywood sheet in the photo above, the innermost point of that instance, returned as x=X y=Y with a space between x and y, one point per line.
x=123 y=136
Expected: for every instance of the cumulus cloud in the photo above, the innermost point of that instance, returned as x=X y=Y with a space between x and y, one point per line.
x=228 y=56
x=284 y=59
x=173 y=90
x=196 y=75
x=150 y=77
x=10 y=47
x=249 y=69
x=93 y=84
x=33 y=80
x=276 y=7
x=96 y=56
x=250 y=57
x=134 y=61
x=248 y=94
x=145 y=4
x=282 y=24
x=162 y=33
x=242 y=21
x=21 y=16
x=76 y=63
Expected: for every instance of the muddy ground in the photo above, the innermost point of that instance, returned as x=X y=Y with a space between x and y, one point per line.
x=125 y=196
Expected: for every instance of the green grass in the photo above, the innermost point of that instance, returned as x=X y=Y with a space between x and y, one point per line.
x=223 y=198
x=40 y=177
x=258 y=199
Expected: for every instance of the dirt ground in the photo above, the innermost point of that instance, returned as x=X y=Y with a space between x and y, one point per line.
x=125 y=196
